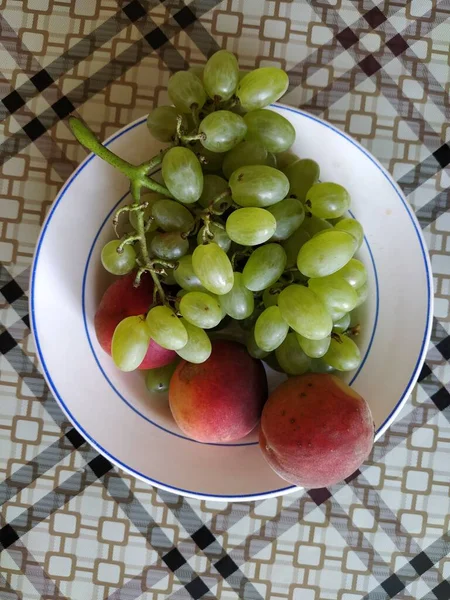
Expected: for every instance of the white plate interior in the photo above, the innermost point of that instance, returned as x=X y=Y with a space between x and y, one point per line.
x=114 y=411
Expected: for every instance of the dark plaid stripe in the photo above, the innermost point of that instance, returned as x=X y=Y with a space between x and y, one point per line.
x=43 y=508
x=422 y=172
x=434 y=209
x=152 y=532
x=207 y=542
x=44 y=78
x=43 y=462
x=416 y=567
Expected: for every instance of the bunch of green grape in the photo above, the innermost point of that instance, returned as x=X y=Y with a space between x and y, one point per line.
x=250 y=232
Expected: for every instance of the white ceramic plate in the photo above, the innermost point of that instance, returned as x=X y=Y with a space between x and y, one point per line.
x=114 y=411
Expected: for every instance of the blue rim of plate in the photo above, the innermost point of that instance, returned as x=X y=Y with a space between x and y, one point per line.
x=268 y=493
x=136 y=410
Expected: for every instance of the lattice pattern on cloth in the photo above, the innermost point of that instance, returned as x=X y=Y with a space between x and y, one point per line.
x=72 y=526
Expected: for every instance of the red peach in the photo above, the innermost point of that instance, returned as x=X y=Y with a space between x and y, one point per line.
x=316 y=430
x=121 y=300
x=221 y=399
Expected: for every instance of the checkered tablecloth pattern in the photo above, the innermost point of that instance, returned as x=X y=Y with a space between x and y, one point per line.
x=72 y=526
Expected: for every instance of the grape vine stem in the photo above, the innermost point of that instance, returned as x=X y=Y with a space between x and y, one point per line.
x=136 y=174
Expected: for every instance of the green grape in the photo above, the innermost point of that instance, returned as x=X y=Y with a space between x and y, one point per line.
x=293 y=244
x=250 y=226
x=314 y=348
x=261 y=87
x=115 y=263
x=213 y=267
x=270 y=329
x=239 y=302
x=343 y=354
x=166 y=328
x=184 y=275
x=354 y=228
x=289 y=215
x=342 y=324
x=337 y=295
x=264 y=267
x=162 y=123
x=325 y=254
x=157 y=380
x=221 y=75
x=169 y=246
x=284 y=159
x=270 y=295
x=327 y=200
x=252 y=347
x=304 y=312
x=313 y=225
x=319 y=366
x=222 y=130
x=182 y=174
x=151 y=198
x=220 y=236
x=171 y=216
x=271 y=160
x=258 y=185
x=354 y=273
x=201 y=309
x=362 y=293
x=244 y=154
x=213 y=186
x=291 y=357
x=249 y=323
x=270 y=129
x=130 y=343
x=211 y=161
x=186 y=91
x=198 y=347
x=302 y=174
x=198 y=71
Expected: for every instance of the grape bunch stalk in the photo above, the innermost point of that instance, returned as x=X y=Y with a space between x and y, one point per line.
x=231 y=225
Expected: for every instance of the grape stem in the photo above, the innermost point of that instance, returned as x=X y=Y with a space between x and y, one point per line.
x=127 y=209
x=207 y=234
x=148 y=264
x=183 y=137
x=130 y=239
x=136 y=174
x=336 y=337
x=354 y=331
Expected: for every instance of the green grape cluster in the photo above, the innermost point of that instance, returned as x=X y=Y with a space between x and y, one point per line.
x=243 y=229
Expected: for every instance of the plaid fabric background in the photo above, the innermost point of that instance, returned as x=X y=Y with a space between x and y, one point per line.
x=74 y=527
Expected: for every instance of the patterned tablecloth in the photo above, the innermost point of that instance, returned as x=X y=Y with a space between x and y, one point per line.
x=73 y=526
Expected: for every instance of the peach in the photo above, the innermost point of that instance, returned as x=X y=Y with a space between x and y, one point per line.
x=221 y=399
x=121 y=300
x=316 y=430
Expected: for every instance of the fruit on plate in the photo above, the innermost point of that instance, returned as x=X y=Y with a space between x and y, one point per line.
x=239 y=234
x=316 y=430
x=238 y=228
x=220 y=400
x=122 y=300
